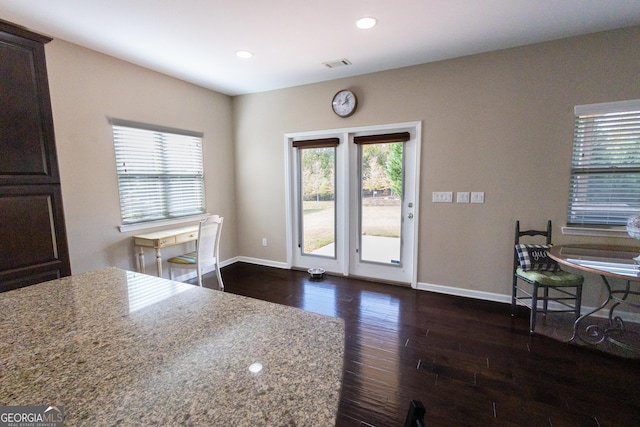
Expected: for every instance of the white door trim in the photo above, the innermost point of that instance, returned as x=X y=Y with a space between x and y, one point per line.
x=343 y=210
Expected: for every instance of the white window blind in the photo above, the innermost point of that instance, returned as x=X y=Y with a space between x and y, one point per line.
x=160 y=172
x=605 y=168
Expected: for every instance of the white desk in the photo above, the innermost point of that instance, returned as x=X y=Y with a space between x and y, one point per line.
x=162 y=239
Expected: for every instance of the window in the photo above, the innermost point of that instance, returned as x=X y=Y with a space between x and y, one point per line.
x=317 y=175
x=160 y=172
x=605 y=168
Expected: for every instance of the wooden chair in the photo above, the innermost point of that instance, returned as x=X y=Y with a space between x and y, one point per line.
x=534 y=271
x=206 y=253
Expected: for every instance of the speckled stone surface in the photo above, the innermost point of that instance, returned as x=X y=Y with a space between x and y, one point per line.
x=122 y=348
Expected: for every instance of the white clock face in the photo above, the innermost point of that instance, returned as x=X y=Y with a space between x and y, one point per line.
x=344 y=103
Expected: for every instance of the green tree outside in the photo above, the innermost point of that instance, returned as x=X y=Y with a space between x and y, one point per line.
x=394 y=168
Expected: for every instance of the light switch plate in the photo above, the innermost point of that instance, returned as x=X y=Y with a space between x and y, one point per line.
x=462 y=197
x=477 y=197
x=442 y=196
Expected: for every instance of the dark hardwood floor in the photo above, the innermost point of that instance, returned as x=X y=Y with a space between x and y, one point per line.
x=468 y=361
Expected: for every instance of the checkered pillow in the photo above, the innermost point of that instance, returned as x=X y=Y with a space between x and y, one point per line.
x=535 y=257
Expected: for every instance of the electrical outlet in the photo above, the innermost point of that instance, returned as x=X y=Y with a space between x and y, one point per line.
x=462 y=197
x=477 y=197
x=442 y=197
x=264 y=241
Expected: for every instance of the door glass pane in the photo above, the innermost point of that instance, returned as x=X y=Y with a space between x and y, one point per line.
x=317 y=185
x=381 y=202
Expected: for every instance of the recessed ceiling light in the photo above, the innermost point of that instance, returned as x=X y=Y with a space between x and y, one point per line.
x=366 y=23
x=244 y=54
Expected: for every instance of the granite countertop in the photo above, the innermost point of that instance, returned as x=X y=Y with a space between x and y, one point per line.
x=121 y=348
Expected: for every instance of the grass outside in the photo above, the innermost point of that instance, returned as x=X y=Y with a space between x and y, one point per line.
x=381 y=217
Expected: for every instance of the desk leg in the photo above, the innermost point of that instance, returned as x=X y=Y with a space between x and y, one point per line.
x=159 y=261
x=141 y=259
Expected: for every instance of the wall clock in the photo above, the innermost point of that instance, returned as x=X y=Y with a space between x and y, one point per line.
x=344 y=103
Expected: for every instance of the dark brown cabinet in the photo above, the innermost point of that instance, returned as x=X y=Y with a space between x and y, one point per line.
x=33 y=242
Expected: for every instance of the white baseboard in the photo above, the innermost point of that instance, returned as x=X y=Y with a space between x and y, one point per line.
x=461 y=292
x=265 y=262
x=489 y=296
x=430 y=287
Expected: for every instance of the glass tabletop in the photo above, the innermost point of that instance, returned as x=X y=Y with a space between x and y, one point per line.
x=614 y=261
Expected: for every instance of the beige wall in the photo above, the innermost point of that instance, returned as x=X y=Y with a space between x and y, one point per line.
x=500 y=122
x=86 y=87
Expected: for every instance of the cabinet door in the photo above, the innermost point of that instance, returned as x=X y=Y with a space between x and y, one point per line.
x=26 y=124
x=33 y=242
x=33 y=246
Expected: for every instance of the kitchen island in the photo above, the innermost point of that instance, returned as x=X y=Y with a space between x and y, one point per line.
x=116 y=347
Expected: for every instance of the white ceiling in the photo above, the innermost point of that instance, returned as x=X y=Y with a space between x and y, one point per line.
x=195 y=40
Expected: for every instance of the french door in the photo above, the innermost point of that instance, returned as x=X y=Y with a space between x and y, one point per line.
x=352 y=201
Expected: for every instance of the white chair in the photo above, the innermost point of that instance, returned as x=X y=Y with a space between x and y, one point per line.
x=206 y=253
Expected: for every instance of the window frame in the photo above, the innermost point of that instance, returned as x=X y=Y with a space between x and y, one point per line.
x=600 y=160
x=161 y=174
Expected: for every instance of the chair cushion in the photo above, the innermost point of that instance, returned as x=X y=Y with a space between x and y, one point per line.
x=535 y=257
x=189 y=258
x=551 y=278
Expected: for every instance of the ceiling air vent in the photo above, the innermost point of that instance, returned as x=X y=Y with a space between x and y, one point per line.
x=337 y=63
